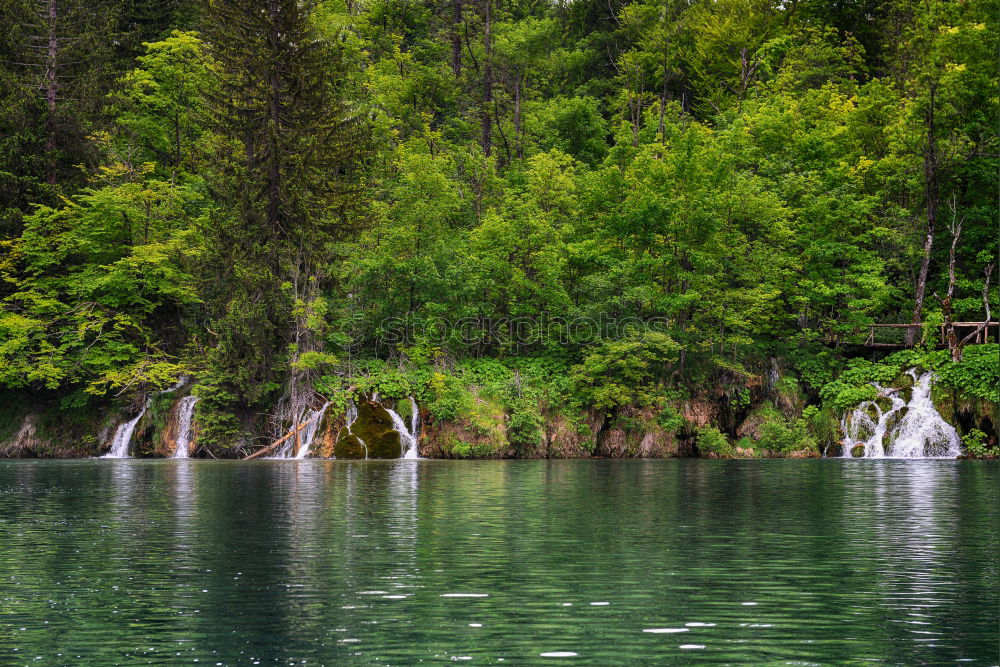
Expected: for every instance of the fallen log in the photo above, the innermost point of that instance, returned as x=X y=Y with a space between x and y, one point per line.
x=279 y=441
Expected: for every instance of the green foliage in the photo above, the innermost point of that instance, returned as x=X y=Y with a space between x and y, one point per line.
x=711 y=440
x=657 y=198
x=97 y=277
x=670 y=419
x=976 y=444
x=978 y=374
x=780 y=436
x=450 y=400
x=626 y=371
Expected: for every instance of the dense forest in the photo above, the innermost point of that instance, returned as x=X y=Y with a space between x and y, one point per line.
x=566 y=227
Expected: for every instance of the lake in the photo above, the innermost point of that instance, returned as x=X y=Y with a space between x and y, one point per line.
x=517 y=562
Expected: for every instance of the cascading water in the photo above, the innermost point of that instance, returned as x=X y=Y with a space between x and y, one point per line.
x=123 y=434
x=185 y=417
x=920 y=433
x=414 y=419
x=352 y=412
x=860 y=422
x=306 y=435
x=407 y=437
x=310 y=431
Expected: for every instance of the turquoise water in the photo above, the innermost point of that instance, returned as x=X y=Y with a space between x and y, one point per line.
x=500 y=562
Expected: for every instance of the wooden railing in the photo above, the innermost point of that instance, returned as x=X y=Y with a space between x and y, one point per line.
x=898 y=334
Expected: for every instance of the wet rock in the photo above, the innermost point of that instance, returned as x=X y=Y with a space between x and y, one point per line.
x=858 y=451
x=349 y=446
x=372 y=435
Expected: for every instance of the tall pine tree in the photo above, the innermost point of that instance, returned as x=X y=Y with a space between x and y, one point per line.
x=288 y=170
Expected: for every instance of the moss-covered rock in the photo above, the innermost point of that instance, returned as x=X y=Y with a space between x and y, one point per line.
x=857 y=451
x=349 y=446
x=371 y=436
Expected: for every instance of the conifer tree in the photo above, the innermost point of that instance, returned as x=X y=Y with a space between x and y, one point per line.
x=290 y=192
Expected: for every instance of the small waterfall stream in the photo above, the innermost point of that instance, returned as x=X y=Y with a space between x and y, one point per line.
x=308 y=433
x=921 y=432
x=407 y=436
x=185 y=417
x=123 y=434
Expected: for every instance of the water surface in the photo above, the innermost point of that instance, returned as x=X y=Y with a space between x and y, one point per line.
x=576 y=562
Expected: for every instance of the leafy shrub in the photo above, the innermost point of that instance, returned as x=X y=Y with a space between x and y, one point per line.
x=975 y=443
x=450 y=399
x=711 y=440
x=670 y=419
x=844 y=396
x=779 y=435
x=524 y=425
x=624 y=372
x=746 y=444
x=816 y=366
x=977 y=374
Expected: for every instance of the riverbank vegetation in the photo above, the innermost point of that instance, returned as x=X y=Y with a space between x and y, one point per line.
x=648 y=228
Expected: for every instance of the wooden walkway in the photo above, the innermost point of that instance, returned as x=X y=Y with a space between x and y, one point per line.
x=893 y=336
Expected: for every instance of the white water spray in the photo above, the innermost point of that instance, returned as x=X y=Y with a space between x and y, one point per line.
x=123 y=434
x=920 y=433
x=414 y=418
x=185 y=417
x=407 y=437
x=352 y=412
x=310 y=431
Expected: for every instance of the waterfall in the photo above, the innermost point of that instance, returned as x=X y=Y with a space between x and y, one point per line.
x=923 y=432
x=310 y=431
x=352 y=412
x=407 y=437
x=860 y=422
x=185 y=416
x=920 y=433
x=312 y=421
x=123 y=434
x=414 y=418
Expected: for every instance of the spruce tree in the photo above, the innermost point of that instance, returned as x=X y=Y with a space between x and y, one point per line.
x=286 y=197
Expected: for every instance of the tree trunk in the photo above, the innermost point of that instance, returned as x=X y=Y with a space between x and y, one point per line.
x=931 y=189
x=946 y=304
x=456 y=38
x=51 y=88
x=274 y=110
x=518 y=129
x=487 y=81
x=983 y=329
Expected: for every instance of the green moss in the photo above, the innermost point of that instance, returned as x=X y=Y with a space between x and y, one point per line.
x=404 y=409
x=348 y=446
x=824 y=425
x=374 y=427
x=943 y=397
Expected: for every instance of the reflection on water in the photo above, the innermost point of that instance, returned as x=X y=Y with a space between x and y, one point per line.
x=588 y=562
